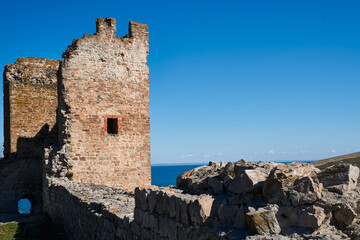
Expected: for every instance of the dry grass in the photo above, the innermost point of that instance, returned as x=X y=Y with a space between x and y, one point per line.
x=354 y=161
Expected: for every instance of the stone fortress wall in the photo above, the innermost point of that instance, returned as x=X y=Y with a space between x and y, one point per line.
x=77 y=143
x=30 y=102
x=87 y=116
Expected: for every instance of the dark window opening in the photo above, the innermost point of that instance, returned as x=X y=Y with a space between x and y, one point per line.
x=24 y=206
x=112 y=126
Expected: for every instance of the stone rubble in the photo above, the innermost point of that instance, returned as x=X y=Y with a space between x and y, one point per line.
x=271 y=198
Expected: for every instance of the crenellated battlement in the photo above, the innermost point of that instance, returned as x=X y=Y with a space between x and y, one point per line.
x=106 y=26
x=137 y=40
x=138 y=30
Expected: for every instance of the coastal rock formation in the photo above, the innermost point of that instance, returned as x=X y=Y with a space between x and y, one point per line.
x=278 y=201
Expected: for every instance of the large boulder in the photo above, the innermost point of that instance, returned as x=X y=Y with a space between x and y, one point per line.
x=339 y=178
x=200 y=209
x=250 y=175
x=311 y=217
x=227 y=213
x=240 y=219
x=242 y=165
x=206 y=179
x=287 y=217
x=247 y=181
x=283 y=177
x=344 y=215
x=263 y=221
x=304 y=191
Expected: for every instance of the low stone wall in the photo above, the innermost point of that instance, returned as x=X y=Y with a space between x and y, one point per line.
x=221 y=201
x=168 y=213
x=86 y=211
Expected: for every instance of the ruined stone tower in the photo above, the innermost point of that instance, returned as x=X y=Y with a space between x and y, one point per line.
x=85 y=118
x=104 y=106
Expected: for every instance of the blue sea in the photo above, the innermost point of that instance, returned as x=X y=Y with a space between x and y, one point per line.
x=161 y=175
x=165 y=175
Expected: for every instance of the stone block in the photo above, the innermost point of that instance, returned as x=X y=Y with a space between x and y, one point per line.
x=146 y=234
x=194 y=234
x=305 y=191
x=172 y=229
x=285 y=175
x=178 y=209
x=344 y=215
x=240 y=219
x=227 y=213
x=154 y=223
x=137 y=216
x=145 y=216
x=141 y=199
x=172 y=206
x=216 y=185
x=136 y=228
x=161 y=203
x=181 y=232
x=152 y=197
x=200 y=210
x=184 y=214
x=121 y=233
x=339 y=178
x=248 y=180
x=163 y=226
x=311 y=217
x=263 y=222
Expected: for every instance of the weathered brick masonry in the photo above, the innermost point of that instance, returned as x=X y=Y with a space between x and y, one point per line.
x=106 y=77
x=30 y=102
x=87 y=116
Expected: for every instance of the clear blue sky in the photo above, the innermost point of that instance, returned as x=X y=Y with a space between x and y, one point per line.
x=261 y=80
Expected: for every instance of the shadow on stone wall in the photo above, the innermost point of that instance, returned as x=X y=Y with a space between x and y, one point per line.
x=21 y=171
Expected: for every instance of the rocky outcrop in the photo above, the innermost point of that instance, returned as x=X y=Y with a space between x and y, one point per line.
x=278 y=201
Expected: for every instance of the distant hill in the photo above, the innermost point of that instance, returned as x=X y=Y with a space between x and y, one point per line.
x=352 y=158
